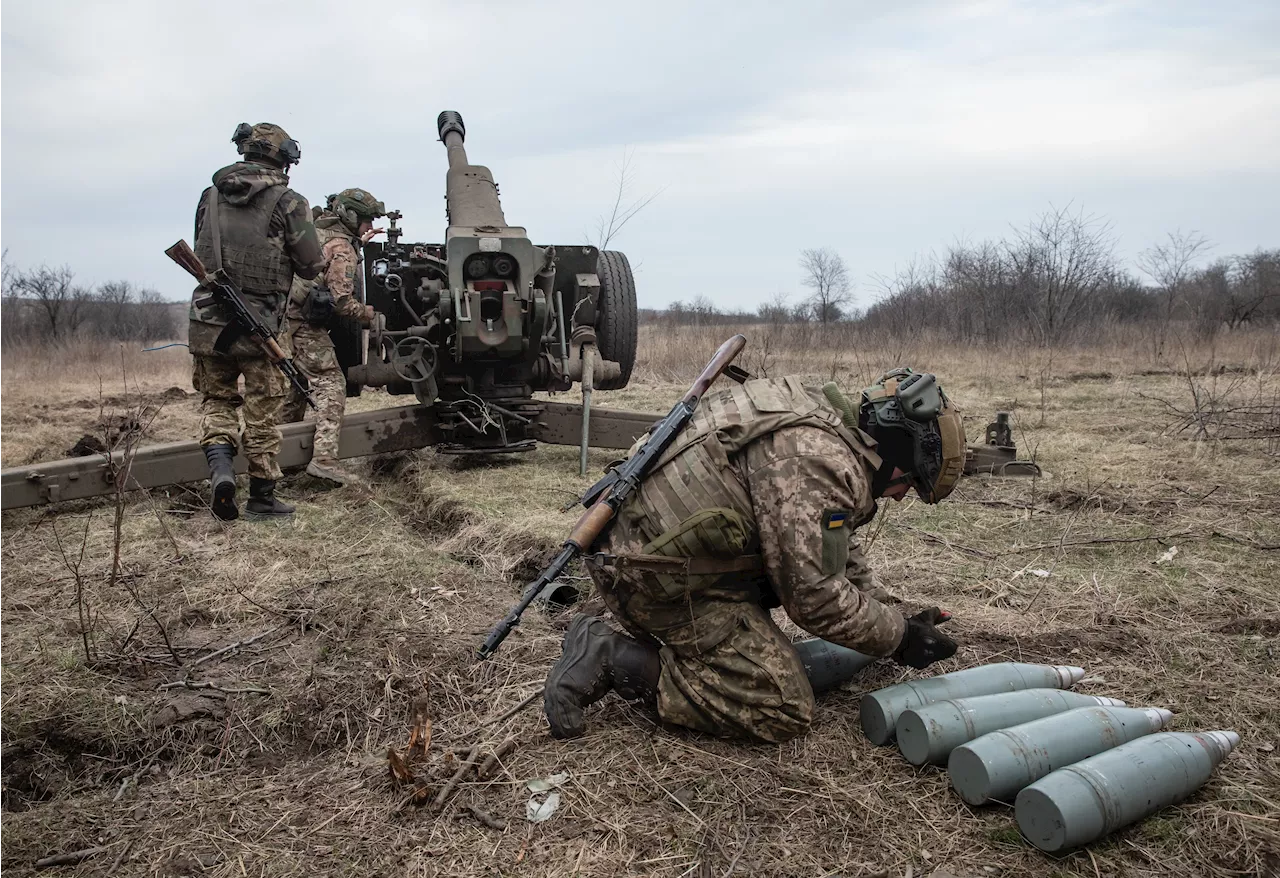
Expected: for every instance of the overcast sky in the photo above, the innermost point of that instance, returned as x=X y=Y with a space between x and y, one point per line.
x=881 y=130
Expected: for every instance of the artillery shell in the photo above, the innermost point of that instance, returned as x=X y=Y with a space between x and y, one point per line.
x=880 y=710
x=1083 y=802
x=997 y=765
x=930 y=732
x=827 y=664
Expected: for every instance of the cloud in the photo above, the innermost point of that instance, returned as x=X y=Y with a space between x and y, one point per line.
x=882 y=131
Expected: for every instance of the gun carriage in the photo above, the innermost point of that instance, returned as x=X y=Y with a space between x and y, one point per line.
x=479 y=323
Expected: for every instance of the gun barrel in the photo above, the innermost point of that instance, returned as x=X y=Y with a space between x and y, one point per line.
x=471 y=196
x=452 y=134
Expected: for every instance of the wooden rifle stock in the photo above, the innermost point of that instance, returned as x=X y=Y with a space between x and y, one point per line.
x=604 y=502
x=182 y=254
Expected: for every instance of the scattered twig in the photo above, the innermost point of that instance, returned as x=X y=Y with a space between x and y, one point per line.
x=943 y=541
x=205 y=684
x=532 y=697
x=1245 y=541
x=70 y=858
x=124 y=852
x=1060 y=544
x=239 y=644
x=483 y=816
x=492 y=760
x=448 y=788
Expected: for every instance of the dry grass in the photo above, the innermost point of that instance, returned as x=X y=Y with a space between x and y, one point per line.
x=368 y=603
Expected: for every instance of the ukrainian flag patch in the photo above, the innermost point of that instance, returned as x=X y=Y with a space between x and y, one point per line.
x=834 y=518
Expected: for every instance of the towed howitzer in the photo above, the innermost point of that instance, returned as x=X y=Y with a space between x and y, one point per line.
x=606 y=497
x=476 y=325
x=223 y=291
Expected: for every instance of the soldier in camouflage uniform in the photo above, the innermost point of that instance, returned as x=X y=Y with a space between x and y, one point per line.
x=752 y=507
x=250 y=223
x=343 y=230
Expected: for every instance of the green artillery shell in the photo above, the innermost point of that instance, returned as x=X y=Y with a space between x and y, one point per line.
x=1083 y=802
x=880 y=710
x=827 y=665
x=997 y=765
x=930 y=732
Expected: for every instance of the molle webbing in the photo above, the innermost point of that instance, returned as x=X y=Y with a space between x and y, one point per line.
x=325 y=232
x=694 y=511
x=256 y=262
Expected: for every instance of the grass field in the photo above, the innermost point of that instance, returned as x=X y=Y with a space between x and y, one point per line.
x=367 y=607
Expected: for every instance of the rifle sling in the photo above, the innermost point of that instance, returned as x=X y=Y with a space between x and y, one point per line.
x=215 y=229
x=676 y=565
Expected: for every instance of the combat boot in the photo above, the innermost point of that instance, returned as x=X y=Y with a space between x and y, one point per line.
x=222 y=479
x=328 y=469
x=263 y=502
x=596 y=660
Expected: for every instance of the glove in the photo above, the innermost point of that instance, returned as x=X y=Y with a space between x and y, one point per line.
x=370 y=316
x=922 y=643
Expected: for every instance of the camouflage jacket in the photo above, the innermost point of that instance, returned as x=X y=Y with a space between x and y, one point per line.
x=341 y=251
x=766 y=485
x=267 y=239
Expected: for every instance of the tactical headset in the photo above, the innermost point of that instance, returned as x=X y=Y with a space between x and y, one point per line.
x=288 y=149
x=343 y=206
x=914 y=406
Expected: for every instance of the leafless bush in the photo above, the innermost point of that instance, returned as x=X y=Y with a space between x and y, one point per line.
x=45 y=305
x=1170 y=265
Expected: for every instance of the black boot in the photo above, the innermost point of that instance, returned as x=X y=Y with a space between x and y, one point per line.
x=263 y=502
x=595 y=661
x=827 y=665
x=222 y=478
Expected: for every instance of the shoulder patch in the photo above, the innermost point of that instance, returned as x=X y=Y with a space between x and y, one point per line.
x=834 y=518
x=835 y=541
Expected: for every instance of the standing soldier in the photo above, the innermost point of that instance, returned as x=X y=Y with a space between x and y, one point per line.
x=343 y=230
x=751 y=508
x=250 y=223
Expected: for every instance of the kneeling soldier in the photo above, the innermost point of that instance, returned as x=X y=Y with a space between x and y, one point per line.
x=752 y=507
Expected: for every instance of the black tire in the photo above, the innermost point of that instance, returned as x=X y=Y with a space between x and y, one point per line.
x=616 y=319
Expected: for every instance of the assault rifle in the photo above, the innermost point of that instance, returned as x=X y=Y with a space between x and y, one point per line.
x=223 y=290
x=605 y=497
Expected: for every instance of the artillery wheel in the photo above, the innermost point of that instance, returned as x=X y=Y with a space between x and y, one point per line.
x=616 y=322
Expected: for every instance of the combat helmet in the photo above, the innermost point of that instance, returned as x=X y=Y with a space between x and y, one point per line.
x=917 y=429
x=354 y=206
x=267 y=141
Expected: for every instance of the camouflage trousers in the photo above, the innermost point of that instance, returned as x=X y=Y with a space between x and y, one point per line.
x=313 y=353
x=216 y=377
x=727 y=669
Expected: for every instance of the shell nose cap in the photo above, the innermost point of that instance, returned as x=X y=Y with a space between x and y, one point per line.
x=1227 y=740
x=1069 y=675
x=1110 y=702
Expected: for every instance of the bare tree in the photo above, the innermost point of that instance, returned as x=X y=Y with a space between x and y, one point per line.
x=777 y=309
x=1061 y=262
x=1171 y=266
x=828 y=277
x=624 y=208
x=59 y=299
